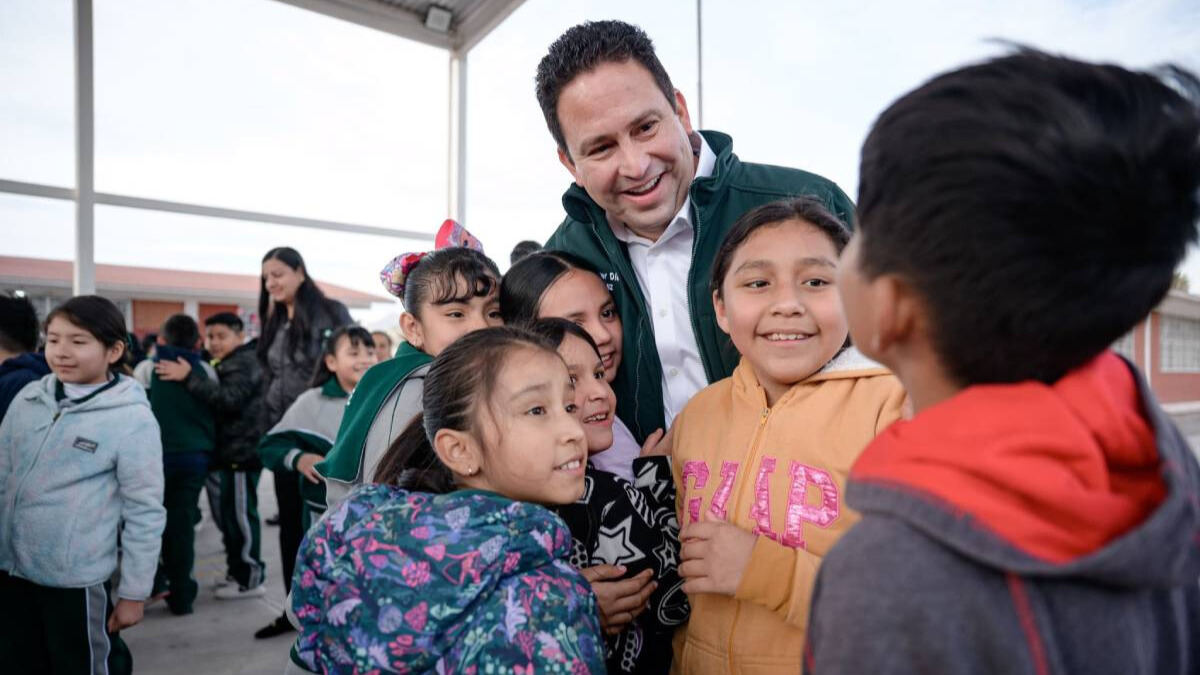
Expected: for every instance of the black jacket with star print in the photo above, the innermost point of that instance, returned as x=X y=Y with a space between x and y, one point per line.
x=634 y=524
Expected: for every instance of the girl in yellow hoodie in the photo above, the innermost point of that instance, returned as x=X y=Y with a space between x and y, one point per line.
x=760 y=458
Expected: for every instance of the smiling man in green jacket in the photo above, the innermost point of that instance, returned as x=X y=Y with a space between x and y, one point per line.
x=650 y=206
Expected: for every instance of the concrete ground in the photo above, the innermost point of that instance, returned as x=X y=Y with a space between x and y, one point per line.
x=218 y=639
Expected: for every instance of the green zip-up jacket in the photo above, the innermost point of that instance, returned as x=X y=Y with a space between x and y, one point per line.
x=716 y=203
x=187 y=422
x=386 y=399
x=308 y=426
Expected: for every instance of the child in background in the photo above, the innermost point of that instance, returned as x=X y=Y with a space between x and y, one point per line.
x=450 y=565
x=761 y=457
x=188 y=437
x=80 y=453
x=622 y=524
x=20 y=363
x=235 y=398
x=447 y=293
x=308 y=428
x=383 y=345
x=1039 y=513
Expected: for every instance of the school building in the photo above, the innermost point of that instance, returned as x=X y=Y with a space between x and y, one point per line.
x=1166 y=347
x=148 y=295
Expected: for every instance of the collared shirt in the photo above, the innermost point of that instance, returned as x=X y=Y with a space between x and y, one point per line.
x=618 y=459
x=662 y=271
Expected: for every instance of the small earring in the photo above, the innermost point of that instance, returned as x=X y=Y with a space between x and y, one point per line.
x=473 y=470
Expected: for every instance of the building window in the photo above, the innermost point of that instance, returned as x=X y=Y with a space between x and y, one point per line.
x=1180 y=340
x=1124 y=346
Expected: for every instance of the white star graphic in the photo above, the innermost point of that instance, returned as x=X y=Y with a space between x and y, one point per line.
x=614 y=547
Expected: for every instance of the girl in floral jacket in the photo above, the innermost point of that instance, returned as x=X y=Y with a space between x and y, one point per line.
x=449 y=564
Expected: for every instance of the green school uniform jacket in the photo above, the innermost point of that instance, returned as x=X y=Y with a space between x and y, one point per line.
x=386 y=399
x=187 y=422
x=716 y=203
x=309 y=425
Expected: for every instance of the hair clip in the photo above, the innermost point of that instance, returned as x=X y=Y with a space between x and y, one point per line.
x=451 y=235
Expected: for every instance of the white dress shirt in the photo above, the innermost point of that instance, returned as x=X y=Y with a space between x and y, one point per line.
x=662 y=271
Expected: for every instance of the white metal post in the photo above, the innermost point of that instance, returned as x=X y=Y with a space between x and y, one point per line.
x=456 y=180
x=84 y=280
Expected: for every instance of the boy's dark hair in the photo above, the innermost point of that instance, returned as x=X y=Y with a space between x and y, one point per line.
x=583 y=48
x=808 y=209
x=18 y=325
x=229 y=319
x=180 y=330
x=1038 y=205
x=460 y=380
x=521 y=290
x=100 y=317
x=435 y=278
x=522 y=249
x=357 y=335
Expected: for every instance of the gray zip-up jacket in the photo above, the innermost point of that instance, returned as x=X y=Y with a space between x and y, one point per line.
x=924 y=585
x=70 y=472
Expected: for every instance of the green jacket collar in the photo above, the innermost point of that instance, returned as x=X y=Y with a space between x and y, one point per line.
x=332 y=389
x=342 y=462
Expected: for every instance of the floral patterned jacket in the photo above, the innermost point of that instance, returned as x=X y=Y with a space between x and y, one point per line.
x=393 y=581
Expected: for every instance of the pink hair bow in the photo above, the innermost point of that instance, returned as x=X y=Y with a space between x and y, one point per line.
x=450 y=235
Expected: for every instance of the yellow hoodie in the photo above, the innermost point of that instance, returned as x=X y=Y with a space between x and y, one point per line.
x=779 y=472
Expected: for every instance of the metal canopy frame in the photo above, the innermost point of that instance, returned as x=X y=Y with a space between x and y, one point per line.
x=471 y=22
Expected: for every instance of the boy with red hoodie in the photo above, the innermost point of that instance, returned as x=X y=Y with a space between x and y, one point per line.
x=1039 y=513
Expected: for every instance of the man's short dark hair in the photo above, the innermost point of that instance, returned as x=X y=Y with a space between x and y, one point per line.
x=1038 y=204
x=180 y=330
x=584 y=47
x=18 y=325
x=233 y=321
x=523 y=249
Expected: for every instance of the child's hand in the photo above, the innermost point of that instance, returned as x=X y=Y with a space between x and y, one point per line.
x=657 y=444
x=715 y=555
x=173 y=371
x=127 y=613
x=620 y=601
x=305 y=463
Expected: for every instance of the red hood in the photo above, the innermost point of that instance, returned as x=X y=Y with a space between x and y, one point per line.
x=1057 y=471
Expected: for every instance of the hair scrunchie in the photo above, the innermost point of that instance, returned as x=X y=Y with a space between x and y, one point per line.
x=395 y=273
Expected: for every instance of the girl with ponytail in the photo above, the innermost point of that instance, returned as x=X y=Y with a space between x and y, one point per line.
x=453 y=562
x=447 y=293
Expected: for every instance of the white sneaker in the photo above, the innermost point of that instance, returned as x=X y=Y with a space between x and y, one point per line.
x=233 y=592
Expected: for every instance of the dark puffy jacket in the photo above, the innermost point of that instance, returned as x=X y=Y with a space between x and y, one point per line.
x=17 y=372
x=236 y=404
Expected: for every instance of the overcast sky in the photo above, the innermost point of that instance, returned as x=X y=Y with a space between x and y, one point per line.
x=258 y=105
